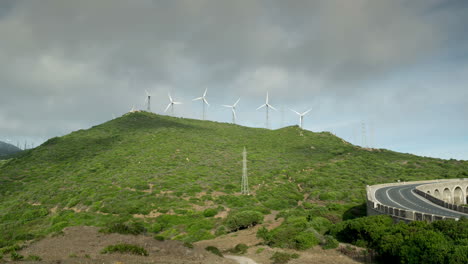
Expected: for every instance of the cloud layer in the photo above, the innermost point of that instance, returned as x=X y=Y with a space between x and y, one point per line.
x=398 y=65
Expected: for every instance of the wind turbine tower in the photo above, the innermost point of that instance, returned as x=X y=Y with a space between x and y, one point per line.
x=148 y=101
x=267 y=105
x=171 y=105
x=363 y=127
x=204 y=101
x=245 y=180
x=233 y=108
x=301 y=116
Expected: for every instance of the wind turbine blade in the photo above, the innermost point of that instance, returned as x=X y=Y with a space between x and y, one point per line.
x=147 y=92
x=169 y=105
x=204 y=94
x=267 y=98
x=272 y=107
x=234 y=112
x=170 y=98
x=306 y=112
x=206 y=102
x=235 y=104
x=177 y=102
x=262 y=106
x=198 y=98
x=230 y=106
x=295 y=112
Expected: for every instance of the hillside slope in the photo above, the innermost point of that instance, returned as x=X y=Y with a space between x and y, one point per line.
x=165 y=172
x=7 y=149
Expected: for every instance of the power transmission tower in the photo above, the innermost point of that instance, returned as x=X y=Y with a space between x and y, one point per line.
x=245 y=179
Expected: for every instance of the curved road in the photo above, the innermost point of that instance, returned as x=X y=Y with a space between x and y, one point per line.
x=403 y=197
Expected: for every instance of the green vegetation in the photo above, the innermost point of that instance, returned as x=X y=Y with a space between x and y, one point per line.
x=283 y=258
x=132 y=228
x=125 y=248
x=243 y=220
x=15 y=256
x=417 y=242
x=295 y=232
x=214 y=250
x=162 y=173
x=239 y=249
x=33 y=258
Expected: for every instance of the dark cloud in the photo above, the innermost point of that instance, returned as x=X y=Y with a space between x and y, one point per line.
x=68 y=65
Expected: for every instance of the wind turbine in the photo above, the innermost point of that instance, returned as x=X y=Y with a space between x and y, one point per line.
x=301 y=116
x=171 y=105
x=267 y=105
x=204 y=101
x=233 y=108
x=148 y=101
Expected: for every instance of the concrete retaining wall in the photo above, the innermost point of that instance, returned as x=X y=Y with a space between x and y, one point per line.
x=374 y=207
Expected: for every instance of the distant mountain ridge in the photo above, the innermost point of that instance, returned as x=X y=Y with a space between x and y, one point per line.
x=8 y=149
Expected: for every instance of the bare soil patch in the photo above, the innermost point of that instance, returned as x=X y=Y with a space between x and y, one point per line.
x=83 y=244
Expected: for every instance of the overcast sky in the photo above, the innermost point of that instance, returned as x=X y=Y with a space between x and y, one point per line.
x=401 y=67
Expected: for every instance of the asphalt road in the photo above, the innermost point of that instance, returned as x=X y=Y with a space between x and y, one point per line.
x=403 y=197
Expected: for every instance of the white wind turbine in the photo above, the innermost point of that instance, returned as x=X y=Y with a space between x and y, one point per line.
x=267 y=105
x=171 y=105
x=148 y=101
x=301 y=116
x=204 y=101
x=233 y=108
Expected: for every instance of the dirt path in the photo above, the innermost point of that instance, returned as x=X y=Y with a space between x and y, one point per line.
x=241 y=260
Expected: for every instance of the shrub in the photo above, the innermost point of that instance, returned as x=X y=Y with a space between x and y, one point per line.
x=210 y=212
x=305 y=240
x=34 y=258
x=155 y=228
x=131 y=228
x=243 y=220
x=159 y=238
x=221 y=230
x=329 y=242
x=125 y=248
x=282 y=258
x=214 y=250
x=15 y=256
x=239 y=249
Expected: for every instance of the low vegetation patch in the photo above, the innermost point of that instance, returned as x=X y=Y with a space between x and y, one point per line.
x=214 y=250
x=417 y=242
x=283 y=258
x=295 y=232
x=130 y=228
x=125 y=249
x=242 y=220
x=239 y=249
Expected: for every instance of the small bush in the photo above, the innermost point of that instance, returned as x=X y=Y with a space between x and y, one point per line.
x=214 y=250
x=221 y=230
x=188 y=245
x=15 y=256
x=283 y=258
x=131 y=228
x=159 y=238
x=259 y=250
x=34 y=258
x=239 y=249
x=210 y=212
x=125 y=248
x=155 y=228
x=243 y=220
x=329 y=242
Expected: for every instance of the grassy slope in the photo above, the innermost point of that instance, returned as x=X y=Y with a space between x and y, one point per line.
x=107 y=171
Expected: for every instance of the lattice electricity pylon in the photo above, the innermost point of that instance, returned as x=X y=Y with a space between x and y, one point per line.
x=245 y=180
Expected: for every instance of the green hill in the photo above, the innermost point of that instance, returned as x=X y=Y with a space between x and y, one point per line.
x=174 y=174
x=8 y=149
